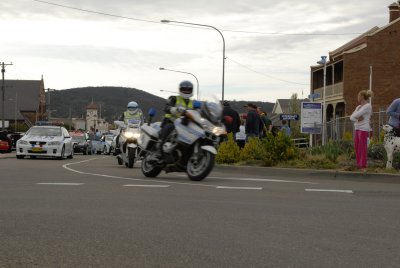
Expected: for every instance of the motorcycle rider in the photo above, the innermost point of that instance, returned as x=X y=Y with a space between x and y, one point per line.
x=133 y=112
x=174 y=108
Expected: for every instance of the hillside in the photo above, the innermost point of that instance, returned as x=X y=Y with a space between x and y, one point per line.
x=113 y=101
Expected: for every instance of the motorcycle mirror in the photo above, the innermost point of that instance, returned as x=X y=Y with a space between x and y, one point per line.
x=152 y=112
x=196 y=104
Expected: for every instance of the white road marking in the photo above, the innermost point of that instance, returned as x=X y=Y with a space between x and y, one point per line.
x=60 y=183
x=239 y=188
x=66 y=166
x=257 y=179
x=149 y=185
x=330 y=190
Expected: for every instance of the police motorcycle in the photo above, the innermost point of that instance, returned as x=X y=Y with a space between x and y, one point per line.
x=192 y=145
x=128 y=142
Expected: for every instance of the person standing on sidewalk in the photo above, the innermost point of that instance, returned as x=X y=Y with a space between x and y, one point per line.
x=394 y=116
x=361 y=118
x=232 y=125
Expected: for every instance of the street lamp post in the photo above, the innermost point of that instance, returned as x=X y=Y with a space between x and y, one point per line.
x=162 y=90
x=323 y=62
x=164 y=69
x=223 y=50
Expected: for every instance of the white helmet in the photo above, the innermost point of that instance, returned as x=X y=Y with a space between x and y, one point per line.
x=133 y=107
x=186 y=89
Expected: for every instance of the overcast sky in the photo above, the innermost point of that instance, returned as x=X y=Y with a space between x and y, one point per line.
x=270 y=45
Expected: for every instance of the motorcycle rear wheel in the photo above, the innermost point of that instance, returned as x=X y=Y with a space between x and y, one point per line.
x=198 y=170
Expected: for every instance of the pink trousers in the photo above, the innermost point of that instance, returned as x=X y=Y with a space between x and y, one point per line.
x=361 y=147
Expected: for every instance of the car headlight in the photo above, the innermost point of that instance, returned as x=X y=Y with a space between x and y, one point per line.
x=54 y=143
x=218 y=131
x=22 y=142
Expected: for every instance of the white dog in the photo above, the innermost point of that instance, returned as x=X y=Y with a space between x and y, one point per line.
x=392 y=144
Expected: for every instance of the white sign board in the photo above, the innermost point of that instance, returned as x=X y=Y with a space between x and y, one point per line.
x=6 y=123
x=311 y=117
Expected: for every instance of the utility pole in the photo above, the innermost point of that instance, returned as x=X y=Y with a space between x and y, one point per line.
x=3 y=70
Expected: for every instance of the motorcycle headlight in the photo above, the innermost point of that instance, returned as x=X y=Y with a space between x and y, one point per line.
x=218 y=131
x=54 y=143
x=22 y=142
x=136 y=135
x=128 y=135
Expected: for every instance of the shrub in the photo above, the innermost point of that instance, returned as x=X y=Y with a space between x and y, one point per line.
x=377 y=152
x=278 y=148
x=228 y=152
x=253 y=150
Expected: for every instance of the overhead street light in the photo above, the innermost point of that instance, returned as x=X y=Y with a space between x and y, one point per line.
x=223 y=50
x=162 y=90
x=323 y=62
x=197 y=80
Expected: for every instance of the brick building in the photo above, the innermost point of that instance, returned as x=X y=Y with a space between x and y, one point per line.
x=370 y=60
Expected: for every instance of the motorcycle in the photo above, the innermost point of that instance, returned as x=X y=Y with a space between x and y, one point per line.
x=192 y=145
x=128 y=142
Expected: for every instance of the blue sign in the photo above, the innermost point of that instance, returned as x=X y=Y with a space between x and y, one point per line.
x=289 y=117
x=314 y=96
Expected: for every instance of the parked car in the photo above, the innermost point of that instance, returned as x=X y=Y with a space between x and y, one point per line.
x=97 y=144
x=5 y=142
x=5 y=146
x=48 y=141
x=81 y=142
x=109 y=147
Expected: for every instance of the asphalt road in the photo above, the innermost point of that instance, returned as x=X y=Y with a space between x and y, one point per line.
x=90 y=212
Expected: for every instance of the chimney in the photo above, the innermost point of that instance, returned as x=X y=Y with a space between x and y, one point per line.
x=394 y=11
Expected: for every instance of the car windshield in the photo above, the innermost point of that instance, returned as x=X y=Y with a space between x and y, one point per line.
x=44 y=131
x=78 y=138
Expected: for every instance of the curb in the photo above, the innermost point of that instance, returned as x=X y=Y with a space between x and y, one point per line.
x=321 y=173
x=7 y=155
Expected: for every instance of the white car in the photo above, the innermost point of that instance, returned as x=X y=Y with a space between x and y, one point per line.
x=49 y=141
x=108 y=146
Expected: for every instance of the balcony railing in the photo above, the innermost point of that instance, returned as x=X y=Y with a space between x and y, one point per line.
x=332 y=91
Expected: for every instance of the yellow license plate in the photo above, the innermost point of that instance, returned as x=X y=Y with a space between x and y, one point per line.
x=36 y=150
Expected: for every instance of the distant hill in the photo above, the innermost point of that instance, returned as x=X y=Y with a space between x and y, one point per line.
x=113 y=101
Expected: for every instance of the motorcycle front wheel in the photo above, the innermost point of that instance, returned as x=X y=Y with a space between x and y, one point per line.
x=131 y=157
x=198 y=169
x=149 y=169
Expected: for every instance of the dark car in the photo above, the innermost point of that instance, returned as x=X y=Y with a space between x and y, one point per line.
x=81 y=143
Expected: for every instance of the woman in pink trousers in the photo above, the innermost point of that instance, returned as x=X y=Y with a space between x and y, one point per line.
x=361 y=118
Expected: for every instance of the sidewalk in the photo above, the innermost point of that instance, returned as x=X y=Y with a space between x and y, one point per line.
x=7 y=155
x=317 y=173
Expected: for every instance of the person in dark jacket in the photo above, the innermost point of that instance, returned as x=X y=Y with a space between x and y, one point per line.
x=231 y=119
x=253 y=122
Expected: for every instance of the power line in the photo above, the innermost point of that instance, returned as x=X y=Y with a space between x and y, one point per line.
x=266 y=75
x=158 y=22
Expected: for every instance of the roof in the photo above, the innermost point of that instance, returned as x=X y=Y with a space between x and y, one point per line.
x=359 y=40
x=92 y=105
x=21 y=95
x=281 y=106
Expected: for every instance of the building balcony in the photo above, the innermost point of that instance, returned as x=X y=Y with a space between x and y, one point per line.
x=333 y=92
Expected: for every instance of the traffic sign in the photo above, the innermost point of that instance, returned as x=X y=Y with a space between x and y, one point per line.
x=289 y=117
